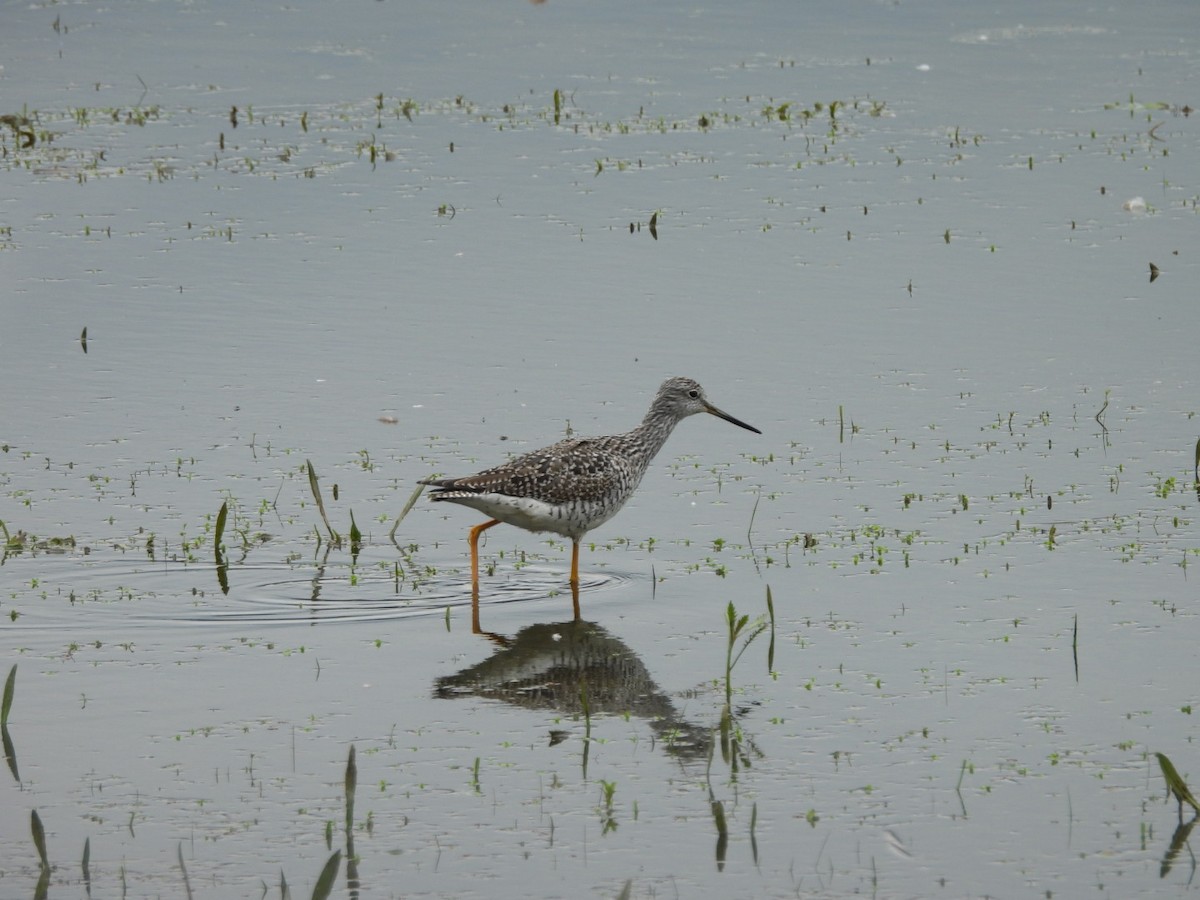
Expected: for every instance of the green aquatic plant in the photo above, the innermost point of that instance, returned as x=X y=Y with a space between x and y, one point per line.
x=11 y=542
x=753 y=826
x=351 y=786
x=1164 y=486
x=722 y=848
x=39 y=839
x=412 y=500
x=316 y=492
x=324 y=886
x=771 y=620
x=187 y=884
x=22 y=130
x=1176 y=785
x=1075 y=645
x=736 y=627
x=608 y=789
x=355 y=536
x=219 y=532
x=10 y=688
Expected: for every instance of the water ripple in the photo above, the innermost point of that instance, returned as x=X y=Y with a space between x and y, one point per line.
x=99 y=593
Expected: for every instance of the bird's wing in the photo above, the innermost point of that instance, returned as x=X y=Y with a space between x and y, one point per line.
x=573 y=469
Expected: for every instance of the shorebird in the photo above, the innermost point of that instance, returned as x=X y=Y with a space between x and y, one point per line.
x=578 y=484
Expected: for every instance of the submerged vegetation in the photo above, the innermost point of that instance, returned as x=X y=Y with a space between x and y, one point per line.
x=308 y=143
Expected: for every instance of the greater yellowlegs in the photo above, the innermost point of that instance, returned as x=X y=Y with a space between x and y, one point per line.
x=578 y=484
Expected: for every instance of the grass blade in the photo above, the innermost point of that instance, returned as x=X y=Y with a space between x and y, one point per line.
x=87 y=858
x=324 y=885
x=412 y=501
x=1175 y=784
x=351 y=787
x=187 y=885
x=355 y=537
x=771 y=648
x=1075 y=645
x=39 y=838
x=10 y=753
x=718 y=813
x=219 y=532
x=753 y=839
x=10 y=688
x=316 y=492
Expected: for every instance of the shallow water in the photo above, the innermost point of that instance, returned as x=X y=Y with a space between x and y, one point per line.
x=973 y=502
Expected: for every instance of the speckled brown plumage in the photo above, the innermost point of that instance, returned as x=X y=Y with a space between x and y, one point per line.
x=573 y=486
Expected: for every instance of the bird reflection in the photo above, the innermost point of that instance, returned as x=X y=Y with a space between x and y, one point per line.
x=564 y=665
x=1178 y=842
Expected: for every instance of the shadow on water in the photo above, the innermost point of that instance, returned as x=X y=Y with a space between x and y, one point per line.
x=1179 y=840
x=576 y=668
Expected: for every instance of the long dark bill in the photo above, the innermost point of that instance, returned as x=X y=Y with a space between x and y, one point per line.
x=728 y=418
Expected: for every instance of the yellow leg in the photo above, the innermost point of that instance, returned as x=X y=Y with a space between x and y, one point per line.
x=475 y=629
x=575 y=564
x=473 y=540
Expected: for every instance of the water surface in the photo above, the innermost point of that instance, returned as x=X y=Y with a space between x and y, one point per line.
x=911 y=243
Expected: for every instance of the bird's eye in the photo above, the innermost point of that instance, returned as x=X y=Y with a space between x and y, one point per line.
x=693 y=394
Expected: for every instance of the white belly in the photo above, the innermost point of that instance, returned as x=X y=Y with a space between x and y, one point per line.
x=571 y=520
